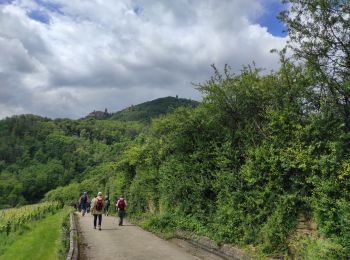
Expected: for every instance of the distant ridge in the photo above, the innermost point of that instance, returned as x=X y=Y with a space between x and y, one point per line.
x=151 y=109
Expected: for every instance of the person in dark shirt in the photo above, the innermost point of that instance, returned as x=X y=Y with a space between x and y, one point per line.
x=84 y=200
x=107 y=203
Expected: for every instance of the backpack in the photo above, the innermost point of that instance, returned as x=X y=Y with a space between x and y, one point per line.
x=84 y=199
x=121 y=204
x=99 y=204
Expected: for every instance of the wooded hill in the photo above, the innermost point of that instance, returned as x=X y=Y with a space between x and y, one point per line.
x=144 y=112
x=152 y=109
x=38 y=154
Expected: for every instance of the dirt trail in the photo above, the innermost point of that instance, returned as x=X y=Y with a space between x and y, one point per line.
x=130 y=242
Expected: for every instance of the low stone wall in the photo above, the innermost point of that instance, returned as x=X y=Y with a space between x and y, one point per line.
x=73 y=253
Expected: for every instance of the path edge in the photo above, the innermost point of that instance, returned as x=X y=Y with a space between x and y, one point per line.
x=225 y=251
x=73 y=253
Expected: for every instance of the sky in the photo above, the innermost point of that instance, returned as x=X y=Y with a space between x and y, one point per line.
x=66 y=58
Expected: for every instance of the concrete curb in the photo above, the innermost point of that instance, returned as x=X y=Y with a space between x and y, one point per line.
x=225 y=251
x=73 y=253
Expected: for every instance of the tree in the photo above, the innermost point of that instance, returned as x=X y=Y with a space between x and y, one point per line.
x=319 y=32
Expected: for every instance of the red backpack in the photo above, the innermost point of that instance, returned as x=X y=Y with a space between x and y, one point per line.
x=99 y=204
x=121 y=204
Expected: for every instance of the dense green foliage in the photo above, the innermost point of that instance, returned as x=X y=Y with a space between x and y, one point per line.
x=151 y=109
x=245 y=165
x=319 y=33
x=38 y=154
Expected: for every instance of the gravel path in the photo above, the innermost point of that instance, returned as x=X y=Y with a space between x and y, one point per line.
x=130 y=242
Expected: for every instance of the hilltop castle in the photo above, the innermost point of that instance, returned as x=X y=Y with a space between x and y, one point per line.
x=98 y=114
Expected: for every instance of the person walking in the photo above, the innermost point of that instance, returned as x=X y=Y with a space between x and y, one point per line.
x=107 y=203
x=89 y=208
x=83 y=202
x=121 y=205
x=97 y=209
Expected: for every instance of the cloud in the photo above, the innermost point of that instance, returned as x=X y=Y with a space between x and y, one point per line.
x=67 y=58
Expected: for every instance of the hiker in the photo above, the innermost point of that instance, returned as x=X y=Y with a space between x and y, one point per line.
x=97 y=209
x=121 y=205
x=83 y=202
x=107 y=203
x=78 y=202
x=92 y=202
x=88 y=206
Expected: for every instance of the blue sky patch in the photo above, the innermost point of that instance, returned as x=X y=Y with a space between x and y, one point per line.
x=52 y=7
x=3 y=2
x=269 y=18
x=39 y=16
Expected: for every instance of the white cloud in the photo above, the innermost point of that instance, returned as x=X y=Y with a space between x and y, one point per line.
x=104 y=53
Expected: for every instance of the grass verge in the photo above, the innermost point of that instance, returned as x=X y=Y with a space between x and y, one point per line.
x=159 y=225
x=39 y=240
